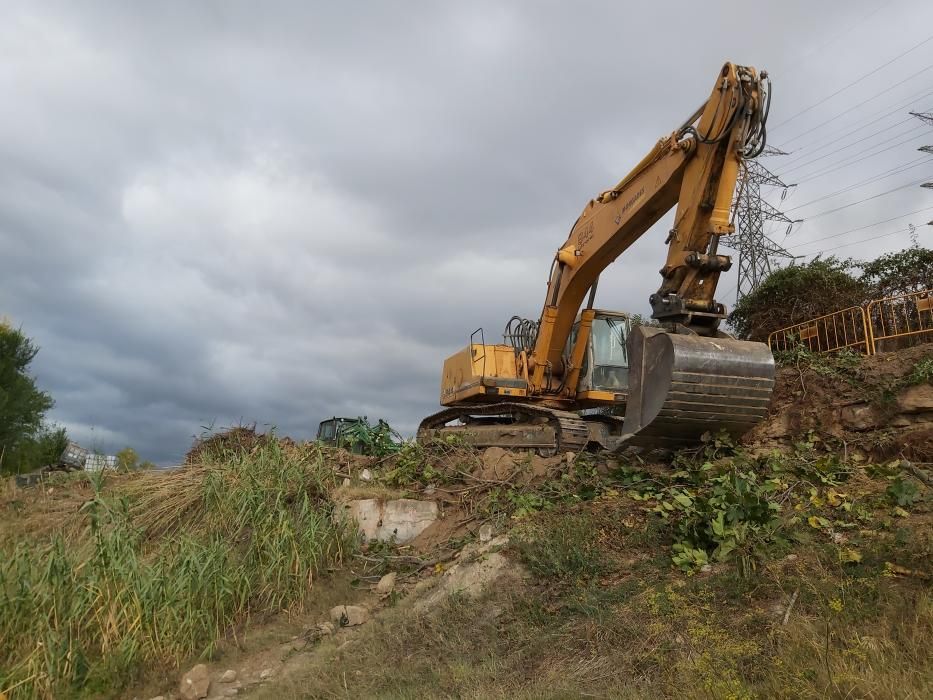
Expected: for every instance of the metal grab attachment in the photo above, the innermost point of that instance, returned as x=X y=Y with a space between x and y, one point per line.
x=682 y=386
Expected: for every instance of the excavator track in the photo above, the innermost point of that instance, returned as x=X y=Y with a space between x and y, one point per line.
x=545 y=430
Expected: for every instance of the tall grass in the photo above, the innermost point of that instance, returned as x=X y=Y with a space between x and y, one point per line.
x=163 y=568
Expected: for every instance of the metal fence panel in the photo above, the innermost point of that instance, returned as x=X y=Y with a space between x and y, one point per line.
x=847 y=328
x=906 y=316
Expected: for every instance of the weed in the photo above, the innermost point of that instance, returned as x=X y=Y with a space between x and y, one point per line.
x=903 y=491
x=922 y=373
x=561 y=547
x=82 y=615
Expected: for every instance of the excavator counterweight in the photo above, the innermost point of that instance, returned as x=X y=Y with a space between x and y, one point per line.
x=676 y=379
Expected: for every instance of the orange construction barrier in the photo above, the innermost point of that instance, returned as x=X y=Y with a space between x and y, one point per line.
x=847 y=328
x=906 y=315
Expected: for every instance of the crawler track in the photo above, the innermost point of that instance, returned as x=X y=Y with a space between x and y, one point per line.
x=510 y=425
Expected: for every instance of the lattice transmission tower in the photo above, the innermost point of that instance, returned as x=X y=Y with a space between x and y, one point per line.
x=753 y=245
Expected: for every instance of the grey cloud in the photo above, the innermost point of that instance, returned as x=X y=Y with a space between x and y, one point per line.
x=218 y=212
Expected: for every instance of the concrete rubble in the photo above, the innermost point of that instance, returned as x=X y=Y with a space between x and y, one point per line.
x=477 y=568
x=402 y=519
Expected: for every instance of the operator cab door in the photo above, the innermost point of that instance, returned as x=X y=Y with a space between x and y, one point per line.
x=606 y=365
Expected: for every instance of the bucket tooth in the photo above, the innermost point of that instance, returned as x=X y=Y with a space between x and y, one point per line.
x=682 y=386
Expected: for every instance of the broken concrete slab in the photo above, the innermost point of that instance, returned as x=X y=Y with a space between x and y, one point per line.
x=402 y=518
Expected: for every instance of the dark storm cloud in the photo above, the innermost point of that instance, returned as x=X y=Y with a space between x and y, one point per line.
x=223 y=211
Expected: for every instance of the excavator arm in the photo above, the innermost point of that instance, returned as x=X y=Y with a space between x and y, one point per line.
x=695 y=168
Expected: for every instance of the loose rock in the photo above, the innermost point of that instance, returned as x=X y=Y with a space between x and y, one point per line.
x=859 y=417
x=478 y=568
x=386 y=584
x=916 y=399
x=349 y=615
x=195 y=684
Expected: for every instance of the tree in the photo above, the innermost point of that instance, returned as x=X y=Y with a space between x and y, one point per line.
x=798 y=293
x=24 y=440
x=127 y=459
x=908 y=270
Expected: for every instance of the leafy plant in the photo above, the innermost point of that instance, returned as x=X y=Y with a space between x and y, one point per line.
x=127 y=459
x=922 y=373
x=378 y=440
x=411 y=465
x=27 y=442
x=734 y=513
x=903 y=491
x=897 y=273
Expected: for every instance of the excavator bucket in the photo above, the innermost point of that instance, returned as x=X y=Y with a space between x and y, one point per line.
x=682 y=386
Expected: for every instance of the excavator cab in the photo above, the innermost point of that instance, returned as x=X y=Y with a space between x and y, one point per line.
x=604 y=376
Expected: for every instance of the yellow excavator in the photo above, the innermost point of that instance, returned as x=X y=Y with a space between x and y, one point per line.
x=676 y=379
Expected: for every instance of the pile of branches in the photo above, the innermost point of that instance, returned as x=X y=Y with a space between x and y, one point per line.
x=240 y=439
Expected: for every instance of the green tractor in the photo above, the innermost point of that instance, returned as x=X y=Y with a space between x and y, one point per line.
x=356 y=435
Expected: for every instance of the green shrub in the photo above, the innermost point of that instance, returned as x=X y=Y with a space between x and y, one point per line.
x=796 y=294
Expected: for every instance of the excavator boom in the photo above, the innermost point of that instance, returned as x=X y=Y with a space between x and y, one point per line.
x=685 y=376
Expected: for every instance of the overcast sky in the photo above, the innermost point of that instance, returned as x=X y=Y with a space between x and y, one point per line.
x=219 y=212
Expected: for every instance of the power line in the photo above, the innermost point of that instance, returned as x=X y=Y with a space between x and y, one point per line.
x=856 y=106
x=884 y=112
x=842 y=32
x=891 y=172
x=755 y=248
x=866 y=199
x=926 y=118
x=806 y=153
x=833 y=167
x=866 y=240
x=862 y=228
x=843 y=245
x=911 y=130
x=854 y=82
